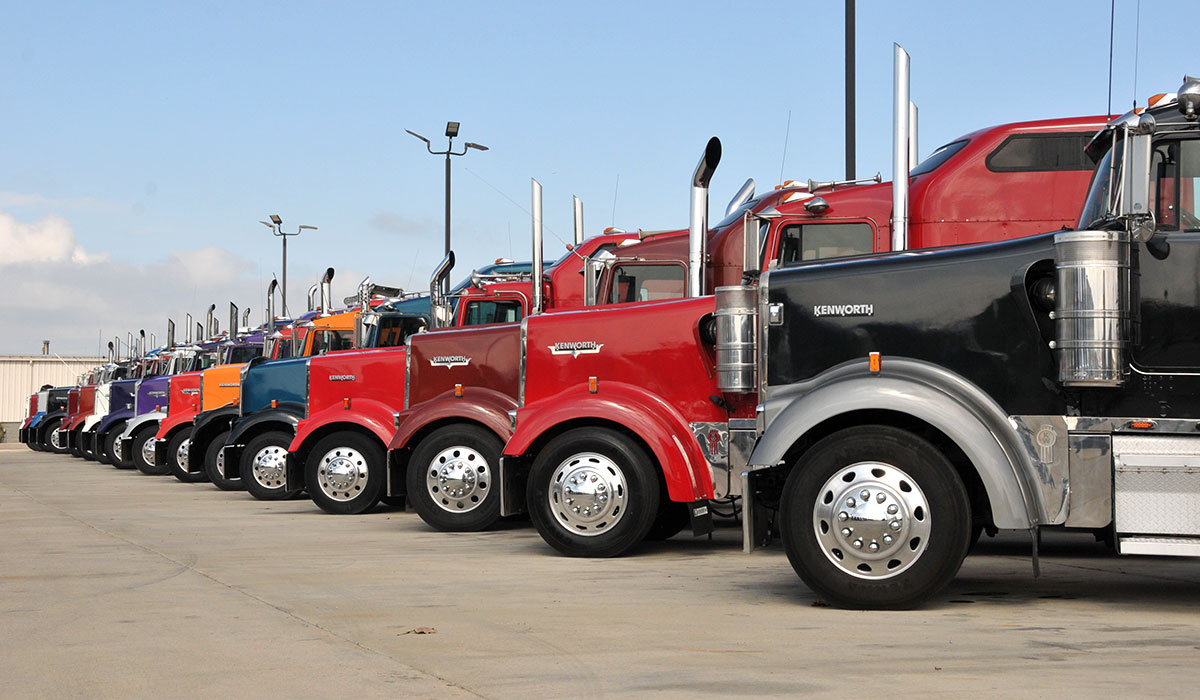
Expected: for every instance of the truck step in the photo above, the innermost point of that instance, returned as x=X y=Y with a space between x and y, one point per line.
x=1159 y=546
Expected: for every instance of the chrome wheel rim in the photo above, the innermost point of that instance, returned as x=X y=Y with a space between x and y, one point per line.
x=221 y=462
x=269 y=466
x=182 y=452
x=342 y=474
x=872 y=520
x=587 y=494
x=56 y=440
x=148 y=451
x=458 y=479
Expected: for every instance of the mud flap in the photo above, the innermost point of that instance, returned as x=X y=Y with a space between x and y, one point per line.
x=512 y=476
x=160 y=453
x=293 y=475
x=233 y=461
x=701 y=518
x=756 y=520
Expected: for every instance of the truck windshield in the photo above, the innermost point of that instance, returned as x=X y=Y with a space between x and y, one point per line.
x=244 y=353
x=1099 y=202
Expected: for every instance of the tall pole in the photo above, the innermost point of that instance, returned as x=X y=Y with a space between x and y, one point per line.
x=446 y=279
x=284 y=274
x=850 y=107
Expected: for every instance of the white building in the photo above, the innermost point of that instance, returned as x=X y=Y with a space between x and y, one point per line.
x=22 y=375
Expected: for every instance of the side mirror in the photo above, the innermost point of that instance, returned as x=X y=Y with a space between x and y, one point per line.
x=1137 y=193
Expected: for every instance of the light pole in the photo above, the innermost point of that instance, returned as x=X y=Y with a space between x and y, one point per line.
x=276 y=226
x=451 y=132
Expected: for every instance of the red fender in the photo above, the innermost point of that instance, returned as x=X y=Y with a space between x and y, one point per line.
x=172 y=421
x=477 y=404
x=373 y=415
x=656 y=422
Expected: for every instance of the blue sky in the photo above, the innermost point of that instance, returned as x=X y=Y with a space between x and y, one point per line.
x=142 y=142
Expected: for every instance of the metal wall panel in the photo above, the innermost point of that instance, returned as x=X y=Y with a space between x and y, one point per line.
x=22 y=375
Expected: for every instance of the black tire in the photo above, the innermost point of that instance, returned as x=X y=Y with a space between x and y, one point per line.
x=52 y=435
x=672 y=518
x=922 y=533
x=110 y=445
x=88 y=454
x=33 y=444
x=138 y=443
x=395 y=501
x=627 y=506
x=346 y=473
x=177 y=451
x=77 y=443
x=214 y=465
x=451 y=478
x=265 y=480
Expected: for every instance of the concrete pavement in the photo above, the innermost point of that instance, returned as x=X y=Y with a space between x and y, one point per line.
x=115 y=584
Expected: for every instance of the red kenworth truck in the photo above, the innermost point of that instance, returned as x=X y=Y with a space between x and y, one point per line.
x=609 y=371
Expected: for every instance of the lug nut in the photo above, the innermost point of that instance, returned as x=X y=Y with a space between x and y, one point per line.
x=843 y=516
x=888 y=539
x=893 y=509
x=846 y=532
x=850 y=502
x=895 y=524
x=857 y=544
x=874 y=546
x=880 y=497
x=865 y=495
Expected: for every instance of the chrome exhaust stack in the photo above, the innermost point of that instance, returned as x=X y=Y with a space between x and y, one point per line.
x=698 y=221
x=900 y=150
x=209 y=321
x=187 y=329
x=199 y=333
x=170 y=333
x=233 y=321
x=535 y=299
x=312 y=297
x=578 y=220
x=270 y=305
x=142 y=342
x=743 y=195
x=246 y=318
x=326 y=291
x=439 y=305
x=111 y=355
x=129 y=345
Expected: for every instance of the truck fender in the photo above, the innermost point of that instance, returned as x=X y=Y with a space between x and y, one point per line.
x=111 y=419
x=209 y=424
x=487 y=407
x=138 y=421
x=247 y=427
x=375 y=416
x=172 y=423
x=90 y=423
x=659 y=425
x=930 y=393
x=46 y=421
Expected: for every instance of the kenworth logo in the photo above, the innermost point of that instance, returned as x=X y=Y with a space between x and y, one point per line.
x=229 y=385
x=844 y=310
x=341 y=377
x=576 y=348
x=191 y=391
x=449 y=361
x=156 y=393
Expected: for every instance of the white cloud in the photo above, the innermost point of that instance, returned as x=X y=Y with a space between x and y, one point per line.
x=27 y=199
x=50 y=240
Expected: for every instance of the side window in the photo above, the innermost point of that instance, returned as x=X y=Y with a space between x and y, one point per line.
x=393 y=332
x=647 y=283
x=492 y=311
x=1175 y=169
x=801 y=242
x=328 y=341
x=1040 y=153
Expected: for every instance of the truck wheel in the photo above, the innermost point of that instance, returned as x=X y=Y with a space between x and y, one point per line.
x=88 y=454
x=143 y=451
x=264 y=463
x=110 y=447
x=451 y=478
x=346 y=473
x=592 y=493
x=77 y=443
x=55 y=441
x=179 y=455
x=875 y=517
x=214 y=465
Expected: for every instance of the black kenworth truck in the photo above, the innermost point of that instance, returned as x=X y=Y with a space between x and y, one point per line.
x=909 y=401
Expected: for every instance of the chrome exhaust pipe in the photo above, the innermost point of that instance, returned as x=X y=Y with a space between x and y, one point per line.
x=199 y=333
x=912 y=135
x=129 y=345
x=743 y=195
x=535 y=299
x=439 y=306
x=578 y=220
x=246 y=317
x=698 y=221
x=312 y=297
x=233 y=321
x=271 y=306
x=900 y=150
x=187 y=329
x=111 y=359
x=170 y=333
x=208 y=321
x=326 y=291
x=142 y=342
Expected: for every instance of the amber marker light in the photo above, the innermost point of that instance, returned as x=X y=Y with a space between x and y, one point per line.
x=346 y=404
x=593 y=385
x=458 y=391
x=873 y=362
x=1141 y=425
x=274 y=403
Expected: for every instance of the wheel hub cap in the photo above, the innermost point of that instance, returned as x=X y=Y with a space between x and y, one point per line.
x=458 y=479
x=56 y=439
x=148 y=451
x=181 y=454
x=269 y=466
x=872 y=520
x=587 y=493
x=343 y=473
x=221 y=462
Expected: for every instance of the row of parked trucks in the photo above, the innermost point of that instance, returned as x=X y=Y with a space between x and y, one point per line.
x=1019 y=349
